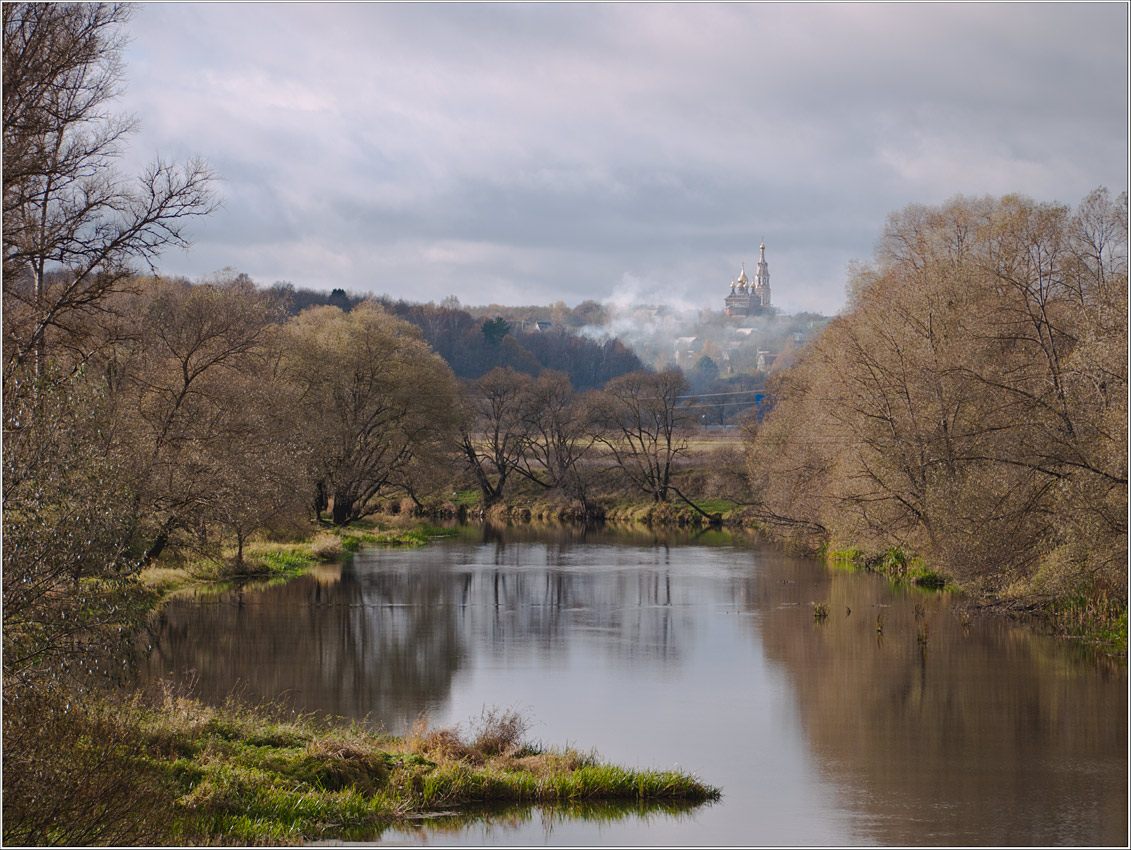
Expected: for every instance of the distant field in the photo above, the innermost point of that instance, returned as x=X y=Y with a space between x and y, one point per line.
x=705 y=441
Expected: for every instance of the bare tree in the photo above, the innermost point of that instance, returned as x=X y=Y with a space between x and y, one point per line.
x=643 y=423
x=558 y=432
x=200 y=408
x=73 y=226
x=494 y=435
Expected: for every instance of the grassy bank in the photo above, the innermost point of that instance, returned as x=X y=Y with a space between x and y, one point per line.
x=274 y=557
x=895 y=563
x=169 y=770
x=1091 y=616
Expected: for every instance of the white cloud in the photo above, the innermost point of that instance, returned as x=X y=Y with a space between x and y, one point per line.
x=546 y=151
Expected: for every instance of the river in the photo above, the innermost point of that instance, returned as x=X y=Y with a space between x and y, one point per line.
x=702 y=651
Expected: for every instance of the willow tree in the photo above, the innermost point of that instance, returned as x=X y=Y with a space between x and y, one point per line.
x=495 y=432
x=971 y=403
x=375 y=400
x=202 y=411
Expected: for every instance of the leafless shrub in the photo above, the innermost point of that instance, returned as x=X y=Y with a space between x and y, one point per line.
x=499 y=732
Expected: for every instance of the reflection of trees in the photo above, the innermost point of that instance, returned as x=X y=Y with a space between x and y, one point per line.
x=345 y=648
x=990 y=735
x=531 y=594
x=628 y=613
x=386 y=640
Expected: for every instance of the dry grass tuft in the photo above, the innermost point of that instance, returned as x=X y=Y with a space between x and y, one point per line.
x=497 y=733
x=439 y=744
x=500 y=733
x=326 y=547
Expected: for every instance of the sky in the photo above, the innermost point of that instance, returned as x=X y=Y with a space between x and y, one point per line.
x=531 y=153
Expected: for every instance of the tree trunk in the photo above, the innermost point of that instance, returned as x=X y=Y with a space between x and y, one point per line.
x=156 y=547
x=341 y=514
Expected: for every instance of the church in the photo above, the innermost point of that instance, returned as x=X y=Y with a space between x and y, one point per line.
x=748 y=297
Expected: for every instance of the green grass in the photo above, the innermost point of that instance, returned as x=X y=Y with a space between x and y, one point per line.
x=466 y=498
x=1099 y=619
x=896 y=563
x=234 y=776
x=284 y=562
x=716 y=506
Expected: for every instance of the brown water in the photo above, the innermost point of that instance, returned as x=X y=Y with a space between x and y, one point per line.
x=703 y=653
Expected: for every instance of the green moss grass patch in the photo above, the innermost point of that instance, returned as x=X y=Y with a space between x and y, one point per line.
x=233 y=775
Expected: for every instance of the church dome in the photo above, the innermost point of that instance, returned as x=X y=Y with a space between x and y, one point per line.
x=742 y=278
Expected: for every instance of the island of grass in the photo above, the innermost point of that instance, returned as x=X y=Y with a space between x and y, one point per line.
x=171 y=770
x=275 y=557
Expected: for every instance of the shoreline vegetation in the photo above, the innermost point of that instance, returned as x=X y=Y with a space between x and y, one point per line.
x=164 y=769
x=962 y=422
x=1094 y=619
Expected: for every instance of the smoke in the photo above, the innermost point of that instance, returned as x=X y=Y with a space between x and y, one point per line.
x=665 y=329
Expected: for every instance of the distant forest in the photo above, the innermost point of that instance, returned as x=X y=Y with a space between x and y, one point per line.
x=592 y=343
x=474 y=346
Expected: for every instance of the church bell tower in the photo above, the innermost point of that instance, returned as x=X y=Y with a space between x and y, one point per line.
x=762 y=277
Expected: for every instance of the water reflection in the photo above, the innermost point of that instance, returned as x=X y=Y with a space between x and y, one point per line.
x=385 y=644
x=660 y=649
x=945 y=733
x=499 y=824
x=342 y=647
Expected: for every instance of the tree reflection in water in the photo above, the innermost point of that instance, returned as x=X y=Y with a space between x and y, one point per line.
x=819 y=731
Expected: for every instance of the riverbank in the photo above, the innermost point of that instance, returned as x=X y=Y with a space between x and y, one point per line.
x=86 y=766
x=1093 y=616
x=164 y=769
x=281 y=557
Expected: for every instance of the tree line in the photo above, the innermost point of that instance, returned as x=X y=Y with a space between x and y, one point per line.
x=144 y=417
x=178 y=417
x=472 y=345
x=970 y=404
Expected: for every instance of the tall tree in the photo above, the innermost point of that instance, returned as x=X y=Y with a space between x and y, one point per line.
x=495 y=329
x=494 y=434
x=558 y=432
x=201 y=408
x=377 y=402
x=71 y=230
x=73 y=227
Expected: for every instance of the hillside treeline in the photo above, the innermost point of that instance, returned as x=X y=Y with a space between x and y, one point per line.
x=970 y=404
x=472 y=347
x=472 y=344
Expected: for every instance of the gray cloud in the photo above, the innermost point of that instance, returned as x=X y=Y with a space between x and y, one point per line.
x=542 y=152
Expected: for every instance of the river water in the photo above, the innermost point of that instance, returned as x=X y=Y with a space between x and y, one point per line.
x=663 y=650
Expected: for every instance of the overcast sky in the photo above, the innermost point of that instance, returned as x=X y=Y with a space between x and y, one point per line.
x=524 y=154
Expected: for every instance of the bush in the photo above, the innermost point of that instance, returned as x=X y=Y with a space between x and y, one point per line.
x=74 y=774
